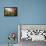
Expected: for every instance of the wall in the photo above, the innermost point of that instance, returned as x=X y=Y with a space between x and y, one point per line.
x=29 y=12
x=33 y=12
x=7 y=24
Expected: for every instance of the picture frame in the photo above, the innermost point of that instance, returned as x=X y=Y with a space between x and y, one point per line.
x=34 y=32
x=10 y=11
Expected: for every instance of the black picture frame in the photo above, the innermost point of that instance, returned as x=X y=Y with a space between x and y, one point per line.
x=10 y=11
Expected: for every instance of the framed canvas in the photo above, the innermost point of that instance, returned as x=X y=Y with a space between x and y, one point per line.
x=10 y=11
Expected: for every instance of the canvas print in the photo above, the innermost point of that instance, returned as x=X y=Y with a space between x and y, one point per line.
x=10 y=11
